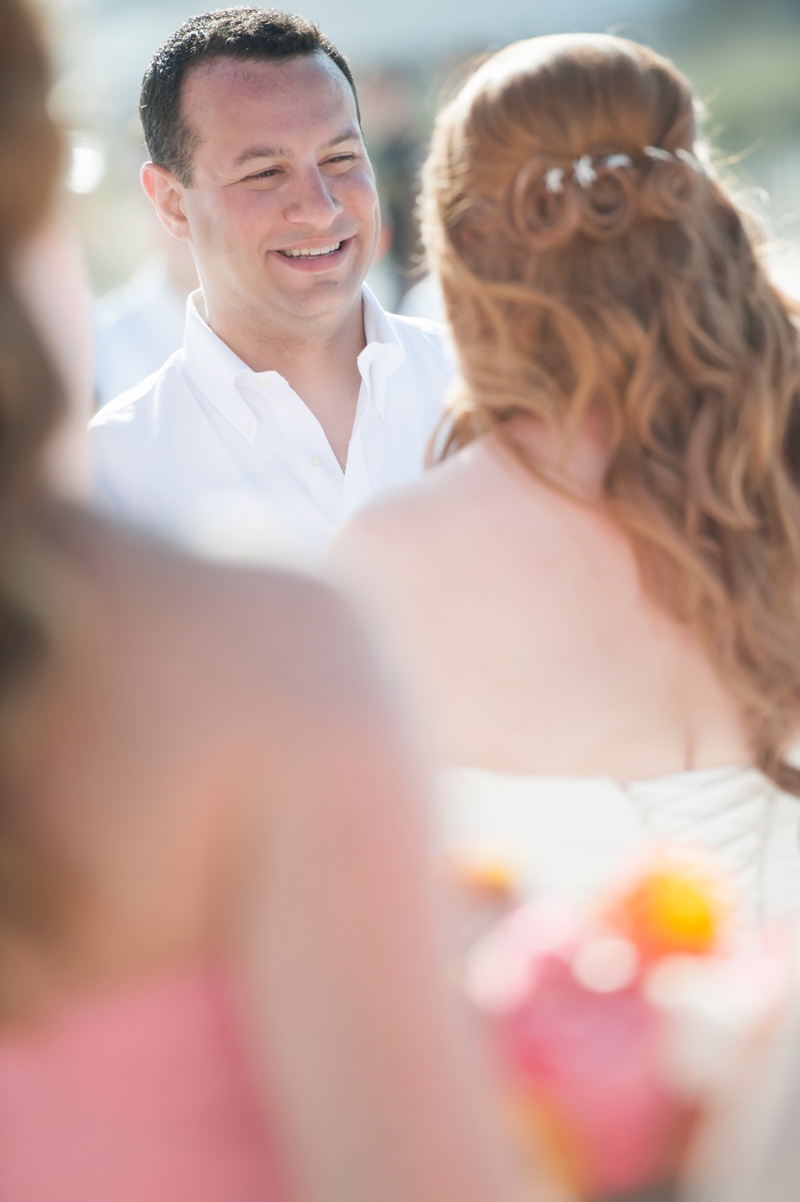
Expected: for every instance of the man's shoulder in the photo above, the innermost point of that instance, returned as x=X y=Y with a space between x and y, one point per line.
x=138 y=403
x=428 y=346
x=420 y=329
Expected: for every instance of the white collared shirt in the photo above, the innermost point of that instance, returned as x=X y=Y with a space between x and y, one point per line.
x=231 y=461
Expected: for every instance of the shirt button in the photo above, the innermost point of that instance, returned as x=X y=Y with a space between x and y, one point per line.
x=315 y=462
x=249 y=429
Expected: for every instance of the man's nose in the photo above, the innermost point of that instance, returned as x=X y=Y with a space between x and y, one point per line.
x=311 y=202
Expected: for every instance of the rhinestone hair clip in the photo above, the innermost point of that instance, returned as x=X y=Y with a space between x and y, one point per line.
x=683 y=156
x=584 y=170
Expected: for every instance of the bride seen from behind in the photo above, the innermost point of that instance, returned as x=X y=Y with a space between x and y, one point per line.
x=597 y=587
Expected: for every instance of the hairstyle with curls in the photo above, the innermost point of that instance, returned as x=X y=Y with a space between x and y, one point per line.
x=31 y=401
x=588 y=260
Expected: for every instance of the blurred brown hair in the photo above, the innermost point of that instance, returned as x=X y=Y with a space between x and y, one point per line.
x=30 y=397
x=589 y=260
x=30 y=403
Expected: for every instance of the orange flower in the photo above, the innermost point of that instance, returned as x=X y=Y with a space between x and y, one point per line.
x=677 y=907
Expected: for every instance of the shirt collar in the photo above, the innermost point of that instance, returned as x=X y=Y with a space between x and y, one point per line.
x=214 y=369
x=383 y=353
x=217 y=372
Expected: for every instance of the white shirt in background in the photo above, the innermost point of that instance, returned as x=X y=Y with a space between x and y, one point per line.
x=136 y=327
x=231 y=462
x=424 y=300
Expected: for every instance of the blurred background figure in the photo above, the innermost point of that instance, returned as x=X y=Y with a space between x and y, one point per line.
x=424 y=299
x=218 y=958
x=49 y=275
x=139 y=324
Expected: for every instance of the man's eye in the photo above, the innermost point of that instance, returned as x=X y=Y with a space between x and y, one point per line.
x=342 y=158
x=265 y=174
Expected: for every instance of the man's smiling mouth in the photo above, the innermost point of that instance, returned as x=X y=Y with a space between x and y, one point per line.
x=309 y=253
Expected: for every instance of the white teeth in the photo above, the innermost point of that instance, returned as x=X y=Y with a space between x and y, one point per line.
x=308 y=254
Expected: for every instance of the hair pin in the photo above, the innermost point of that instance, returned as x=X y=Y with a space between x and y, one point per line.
x=584 y=172
x=690 y=159
x=680 y=155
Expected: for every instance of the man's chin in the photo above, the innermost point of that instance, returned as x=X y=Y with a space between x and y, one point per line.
x=319 y=299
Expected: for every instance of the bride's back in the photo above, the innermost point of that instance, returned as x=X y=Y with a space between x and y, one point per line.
x=524 y=615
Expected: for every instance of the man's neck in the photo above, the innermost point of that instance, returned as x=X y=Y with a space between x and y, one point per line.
x=317 y=357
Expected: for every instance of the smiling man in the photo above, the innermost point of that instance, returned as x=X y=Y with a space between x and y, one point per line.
x=294 y=397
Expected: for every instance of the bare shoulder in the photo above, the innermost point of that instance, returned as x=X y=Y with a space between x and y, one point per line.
x=261 y=631
x=451 y=511
x=479 y=530
x=414 y=518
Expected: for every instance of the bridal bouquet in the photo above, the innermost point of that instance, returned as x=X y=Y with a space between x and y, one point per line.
x=616 y=1028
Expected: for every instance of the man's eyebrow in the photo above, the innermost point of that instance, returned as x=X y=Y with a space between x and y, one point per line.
x=280 y=152
x=262 y=152
x=345 y=136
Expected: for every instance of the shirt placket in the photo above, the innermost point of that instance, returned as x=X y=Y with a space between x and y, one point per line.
x=357 y=483
x=307 y=451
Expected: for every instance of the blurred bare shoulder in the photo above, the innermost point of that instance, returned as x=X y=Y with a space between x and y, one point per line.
x=189 y=710
x=413 y=522
x=285 y=637
x=402 y=559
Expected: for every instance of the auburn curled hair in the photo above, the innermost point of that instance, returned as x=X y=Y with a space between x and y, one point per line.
x=589 y=260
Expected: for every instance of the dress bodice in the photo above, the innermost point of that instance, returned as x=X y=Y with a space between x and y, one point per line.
x=573 y=836
x=142 y=1092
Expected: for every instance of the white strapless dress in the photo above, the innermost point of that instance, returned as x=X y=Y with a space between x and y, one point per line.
x=576 y=836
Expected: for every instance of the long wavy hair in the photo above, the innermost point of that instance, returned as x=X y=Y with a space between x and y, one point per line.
x=590 y=260
x=30 y=403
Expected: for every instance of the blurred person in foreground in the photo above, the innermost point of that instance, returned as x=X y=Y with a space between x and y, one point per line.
x=294 y=397
x=598 y=586
x=217 y=956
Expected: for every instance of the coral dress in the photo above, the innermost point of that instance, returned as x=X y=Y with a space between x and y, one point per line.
x=137 y=1095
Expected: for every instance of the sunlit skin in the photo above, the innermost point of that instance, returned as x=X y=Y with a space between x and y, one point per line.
x=280 y=166
x=536 y=647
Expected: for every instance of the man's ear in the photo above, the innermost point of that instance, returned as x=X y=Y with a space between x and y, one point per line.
x=166 y=192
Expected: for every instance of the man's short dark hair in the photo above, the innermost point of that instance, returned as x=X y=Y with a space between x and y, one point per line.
x=243 y=33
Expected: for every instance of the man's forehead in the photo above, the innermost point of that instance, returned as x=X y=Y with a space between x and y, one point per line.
x=228 y=79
